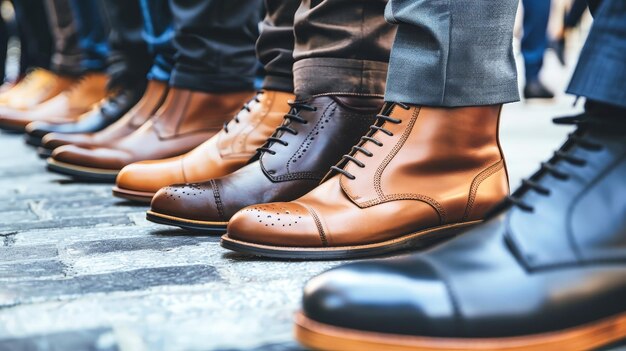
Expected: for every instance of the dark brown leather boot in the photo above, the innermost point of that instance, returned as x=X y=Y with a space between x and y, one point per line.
x=313 y=137
x=186 y=119
x=420 y=174
x=144 y=109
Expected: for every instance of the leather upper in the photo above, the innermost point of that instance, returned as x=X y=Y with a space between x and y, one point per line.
x=145 y=108
x=434 y=166
x=225 y=152
x=38 y=86
x=103 y=114
x=67 y=106
x=185 y=120
x=283 y=173
x=557 y=264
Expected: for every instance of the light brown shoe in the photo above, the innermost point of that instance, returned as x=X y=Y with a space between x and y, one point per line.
x=224 y=153
x=151 y=100
x=185 y=120
x=421 y=174
x=68 y=106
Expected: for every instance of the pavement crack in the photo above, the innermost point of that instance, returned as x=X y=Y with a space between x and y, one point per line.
x=8 y=238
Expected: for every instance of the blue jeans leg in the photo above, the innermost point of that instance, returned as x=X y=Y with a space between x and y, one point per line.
x=535 y=39
x=93 y=31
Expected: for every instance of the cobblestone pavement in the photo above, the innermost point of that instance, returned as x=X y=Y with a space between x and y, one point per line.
x=81 y=270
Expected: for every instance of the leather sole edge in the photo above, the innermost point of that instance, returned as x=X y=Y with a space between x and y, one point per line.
x=132 y=195
x=414 y=240
x=81 y=172
x=320 y=336
x=187 y=224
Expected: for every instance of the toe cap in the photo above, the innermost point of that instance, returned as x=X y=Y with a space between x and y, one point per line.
x=188 y=201
x=399 y=296
x=287 y=224
x=54 y=140
x=100 y=158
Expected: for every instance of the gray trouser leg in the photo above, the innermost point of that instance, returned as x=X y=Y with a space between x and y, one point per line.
x=452 y=53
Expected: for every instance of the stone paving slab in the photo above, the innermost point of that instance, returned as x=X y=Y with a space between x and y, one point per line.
x=81 y=270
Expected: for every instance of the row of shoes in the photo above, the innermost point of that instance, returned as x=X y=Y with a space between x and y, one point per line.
x=348 y=176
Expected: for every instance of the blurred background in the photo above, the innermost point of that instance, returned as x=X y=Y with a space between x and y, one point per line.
x=93 y=274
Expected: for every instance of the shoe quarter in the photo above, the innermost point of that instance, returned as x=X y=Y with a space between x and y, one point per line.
x=375 y=186
x=597 y=217
x=234 y=143
x=582 y=220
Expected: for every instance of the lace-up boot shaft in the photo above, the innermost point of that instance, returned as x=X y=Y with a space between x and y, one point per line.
x=419 y=170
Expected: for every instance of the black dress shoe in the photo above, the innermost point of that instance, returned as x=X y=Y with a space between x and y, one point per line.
x=110 y=110
x=546 y=272
x=536 y=90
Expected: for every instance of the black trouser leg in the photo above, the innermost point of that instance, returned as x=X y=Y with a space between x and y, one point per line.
x=275 y=45
x=342 y=46
x=34 y=33
x=129 y=60
x=215 y=42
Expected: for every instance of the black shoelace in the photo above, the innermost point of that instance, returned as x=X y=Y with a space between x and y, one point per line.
x=377 y=126
x=292 y=117
x=575 y=139
x=246 y=107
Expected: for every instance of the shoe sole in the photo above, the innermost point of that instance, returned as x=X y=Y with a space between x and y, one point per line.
x=12 y=129
x=82 y=173
x=215 y=228
x=320 y=336
x=43 y=152
x=32 y=140
x=415 y=240
x=132 y=195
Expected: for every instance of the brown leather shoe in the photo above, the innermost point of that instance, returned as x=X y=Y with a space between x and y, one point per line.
x=67 y=106
x=185 y=120
x=313 y=137
x=420 y=174
x=37 y=87
x=144 y=109
x=224 y=153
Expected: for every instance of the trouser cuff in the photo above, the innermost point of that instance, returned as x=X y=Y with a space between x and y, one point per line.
x=278 y=83
x=594 y=81
x=314 y=76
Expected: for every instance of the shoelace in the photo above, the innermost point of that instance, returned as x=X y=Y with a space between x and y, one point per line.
x=291 y=117
x=360 y=147
x=575 y=139
x=246 y=107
